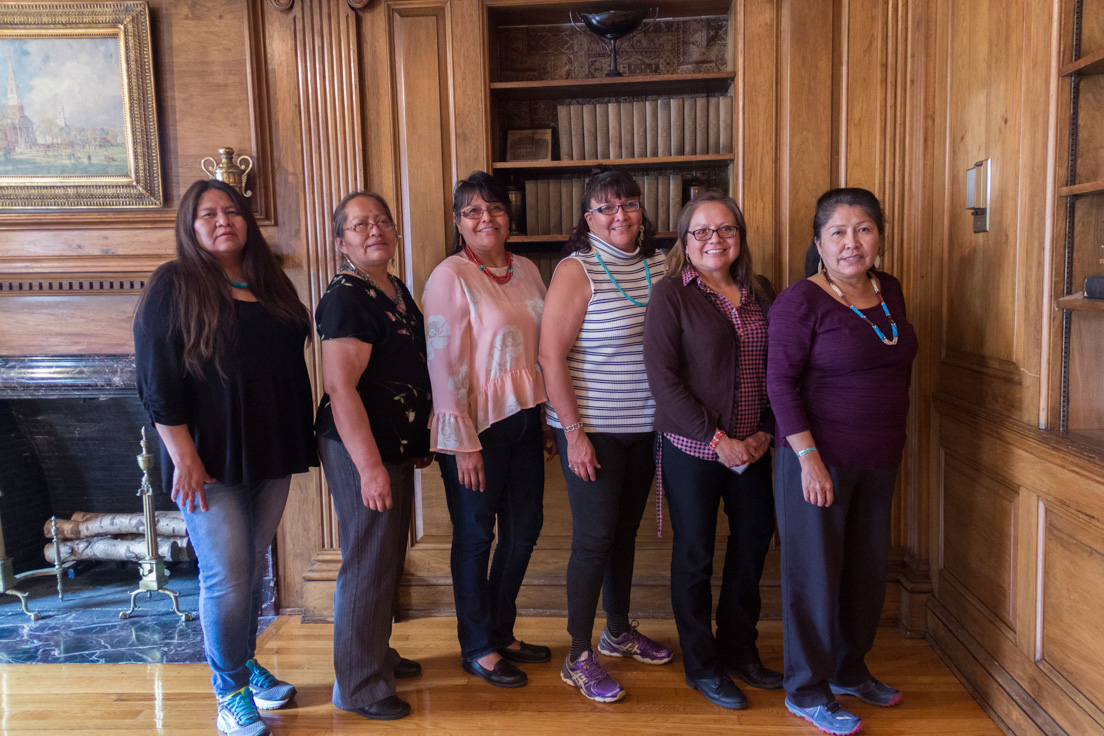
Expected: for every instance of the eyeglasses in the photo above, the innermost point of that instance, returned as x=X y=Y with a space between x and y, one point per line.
x=362 y=226
x=705 y=233
x=611 y=209
x=476 y=213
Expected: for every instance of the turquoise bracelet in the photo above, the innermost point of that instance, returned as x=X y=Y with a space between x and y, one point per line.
x=806 y=451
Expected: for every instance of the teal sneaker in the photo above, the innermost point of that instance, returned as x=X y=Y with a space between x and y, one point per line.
x=828 y=717
x=268 y=692
x=872 y=691
x=237 y=716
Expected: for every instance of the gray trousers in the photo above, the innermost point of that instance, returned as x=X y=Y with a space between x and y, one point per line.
x=373 y=552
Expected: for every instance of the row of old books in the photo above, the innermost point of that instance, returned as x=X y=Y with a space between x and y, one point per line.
x=552 y=205
x=679 y=126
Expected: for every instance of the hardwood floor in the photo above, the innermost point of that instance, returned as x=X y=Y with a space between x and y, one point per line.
x=176 y=699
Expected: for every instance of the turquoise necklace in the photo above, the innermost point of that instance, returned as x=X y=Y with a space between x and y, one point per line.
x=847 y=302
x=236 y=285
x=647 y=275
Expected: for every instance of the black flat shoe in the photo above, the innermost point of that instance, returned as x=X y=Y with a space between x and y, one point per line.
x=504 y=674
x=388 y=709
x=756 y=675
x=720 y=691
x=527 y=654
x=407 y=668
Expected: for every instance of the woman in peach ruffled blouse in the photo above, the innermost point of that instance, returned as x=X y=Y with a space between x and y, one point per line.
x=483 y=310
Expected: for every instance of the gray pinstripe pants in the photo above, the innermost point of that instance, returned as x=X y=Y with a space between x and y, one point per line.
x=373 y=551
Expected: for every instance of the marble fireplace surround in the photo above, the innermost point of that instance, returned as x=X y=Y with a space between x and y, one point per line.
x=83 y=377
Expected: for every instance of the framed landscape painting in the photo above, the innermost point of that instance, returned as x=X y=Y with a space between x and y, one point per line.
x=78 y=127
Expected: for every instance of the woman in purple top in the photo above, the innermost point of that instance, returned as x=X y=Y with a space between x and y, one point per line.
x=838 y=373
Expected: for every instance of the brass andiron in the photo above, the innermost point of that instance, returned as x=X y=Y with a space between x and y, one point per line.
x=8 y=579
x=229 y=170
x=152 y=567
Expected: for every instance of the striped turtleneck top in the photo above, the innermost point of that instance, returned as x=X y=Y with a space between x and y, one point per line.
x=607 y=360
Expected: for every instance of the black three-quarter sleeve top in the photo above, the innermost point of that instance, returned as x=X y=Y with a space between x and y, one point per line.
x=395 y=386
x=254 y=423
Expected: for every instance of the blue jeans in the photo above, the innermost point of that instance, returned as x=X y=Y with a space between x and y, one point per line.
x=486 y=606
x=230 y=539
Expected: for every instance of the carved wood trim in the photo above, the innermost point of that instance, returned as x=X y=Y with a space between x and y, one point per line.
x=256 y=72
x=47 y=287
x=330 y=119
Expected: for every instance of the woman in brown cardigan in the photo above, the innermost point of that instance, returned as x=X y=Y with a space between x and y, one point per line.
x=705 y=350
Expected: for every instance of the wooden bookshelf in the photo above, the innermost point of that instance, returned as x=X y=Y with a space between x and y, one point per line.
x=1087 y=65
x=653 y=85
x=1079 y=301
x=654 y=162
x=1089 y=187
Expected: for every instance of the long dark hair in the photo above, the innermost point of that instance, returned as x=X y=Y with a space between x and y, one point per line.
x=486 y=186
x=603 y=183
x=202 y=304
x=827 y=205
x=742 y=269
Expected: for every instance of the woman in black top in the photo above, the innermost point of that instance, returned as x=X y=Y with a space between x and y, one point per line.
x=373 y=431
x=218 y=342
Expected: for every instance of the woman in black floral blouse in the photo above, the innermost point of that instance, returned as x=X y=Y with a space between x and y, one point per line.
x=373 y=432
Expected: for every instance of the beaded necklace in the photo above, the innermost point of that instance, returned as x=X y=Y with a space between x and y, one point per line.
x=866 y=319
x=348 y=267
x=238 y=285
x=647 y=275
x=494 y=277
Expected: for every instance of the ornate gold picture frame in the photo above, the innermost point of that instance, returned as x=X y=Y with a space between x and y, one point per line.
x=78 y=124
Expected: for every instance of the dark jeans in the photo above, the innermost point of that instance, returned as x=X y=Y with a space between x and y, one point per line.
x=513 y=462
x=605 y=515
x=833 y=576
x=694 y=489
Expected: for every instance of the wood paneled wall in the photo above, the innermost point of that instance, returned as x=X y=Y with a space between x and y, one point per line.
x=1015 y=511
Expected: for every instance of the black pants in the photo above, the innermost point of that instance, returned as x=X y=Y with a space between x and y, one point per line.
x=694 y=489
x=513 y=462
x=833 y=576
x=605 y=516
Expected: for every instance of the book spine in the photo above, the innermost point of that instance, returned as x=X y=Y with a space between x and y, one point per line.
x=651 y=197
x=726 y=124
x=590 y=132
x=615 y=129
x=555 y=226
x=563 y=128
x=640 y=129
x=663 y=203
x=663 y=145
x=531 y=207
x=602 y=113
x=678 y=116
x=628 y=136
x=702 y=136
x=576 y=132
x=714 y=125
x=577 y=186
x=689 y=126
x=676 y=201
x=567 y=207
x=652 y=124
x=542 y=206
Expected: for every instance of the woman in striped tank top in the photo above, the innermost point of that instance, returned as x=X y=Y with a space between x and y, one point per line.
x=599 y=405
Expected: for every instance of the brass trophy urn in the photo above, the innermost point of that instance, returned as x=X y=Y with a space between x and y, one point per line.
x=228 y=169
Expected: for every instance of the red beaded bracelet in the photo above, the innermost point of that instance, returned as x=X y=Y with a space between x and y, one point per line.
x=717 y=436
